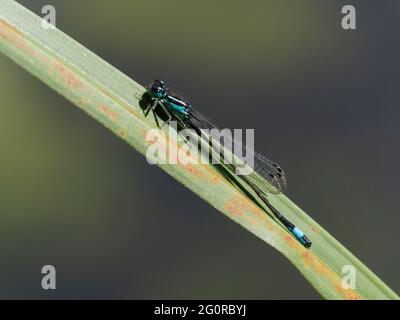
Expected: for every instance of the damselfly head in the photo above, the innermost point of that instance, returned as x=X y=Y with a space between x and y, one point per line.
x=159 y=83
x=158 y=88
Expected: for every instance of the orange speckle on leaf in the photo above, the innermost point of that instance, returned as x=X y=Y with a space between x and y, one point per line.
x=314 y=229
x=216 y=179
x=193 y=170
x=69 y=78
x=306 y=254
x=84 y=102
x=239 y=212
x=353 y=296
x=290 y=241
x=233 y=209
x=240 y=206
x=313 y=262
x=13 y=36
x=143 y=133
x=109 y=112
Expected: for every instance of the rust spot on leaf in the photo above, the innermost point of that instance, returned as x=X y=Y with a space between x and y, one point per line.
x=240 y=206
x=314 y=229
x=353 y=296
x=233 y=209
x=13 y=36
x=143 y=133
x=311 y=261
x=194 y=170
x=306 y=254
x=216 y=179
x=17 y=39
x=237 y=211
x=109 y=112
x=186 y=159
x=290 y=241
x=83 y=102
x=69 y=78
x=189 y=162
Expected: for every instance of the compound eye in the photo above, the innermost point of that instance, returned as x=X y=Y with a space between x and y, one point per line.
x=159 y=83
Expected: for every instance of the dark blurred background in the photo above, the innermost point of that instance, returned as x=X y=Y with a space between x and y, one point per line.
x=324 y=103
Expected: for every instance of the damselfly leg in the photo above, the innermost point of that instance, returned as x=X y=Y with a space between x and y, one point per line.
x=168 y=114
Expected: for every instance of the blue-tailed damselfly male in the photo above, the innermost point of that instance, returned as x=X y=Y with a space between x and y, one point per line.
x=178 y=109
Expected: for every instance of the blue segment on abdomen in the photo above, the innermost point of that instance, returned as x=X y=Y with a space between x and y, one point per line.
x=297 y=233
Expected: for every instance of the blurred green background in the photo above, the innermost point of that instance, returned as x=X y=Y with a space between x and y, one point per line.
x=324 y=103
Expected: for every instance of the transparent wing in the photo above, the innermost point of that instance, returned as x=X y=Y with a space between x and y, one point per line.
x=271 y=171
x=267 y=169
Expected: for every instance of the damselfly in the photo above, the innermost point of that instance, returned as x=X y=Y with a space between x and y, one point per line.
x=267 y=174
